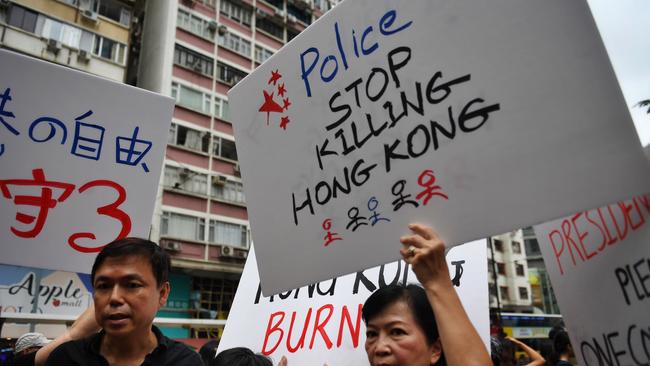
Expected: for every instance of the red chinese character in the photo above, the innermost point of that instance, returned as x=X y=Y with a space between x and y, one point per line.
x=330 y=236
x=428 y=180
x=44 y=202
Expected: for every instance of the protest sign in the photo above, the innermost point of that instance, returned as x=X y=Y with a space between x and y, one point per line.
x=388 y=112
x=322 y=323
x=599 y=265
x=81 y=157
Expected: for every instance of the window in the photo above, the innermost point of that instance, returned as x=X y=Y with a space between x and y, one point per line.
x=516 y=247
x=188 y=138
x=68 y=35
x=229 y=191
x=229 y=74
x=262 y=54
x=504 y=292
x=501 y=268
x=323 y=5
x=23 y=18
x=109 y=49
x=116 y=11
x=182 y=226
x=193 y=60
x=519 y=269
x=186 y=179
x=195 y=25
x=221 y=109
x=498 y=245
x=224 y=148
x=236 y=12
x=235 y=43
x=532 y=247
x=523 y=293
x=269 y=27
x=191 y=98
x=277 y=3
x=225 y=233
x=301 y=15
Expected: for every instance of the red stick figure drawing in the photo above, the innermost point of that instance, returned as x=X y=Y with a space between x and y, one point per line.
x=428 y=180
x=330 y=236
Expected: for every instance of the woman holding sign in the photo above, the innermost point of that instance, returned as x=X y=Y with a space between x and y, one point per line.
x=413 y=325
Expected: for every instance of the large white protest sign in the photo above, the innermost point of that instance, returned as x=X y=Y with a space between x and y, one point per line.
x=460 y=114
x=81 y=158
x=599 y=264
x=322 y=323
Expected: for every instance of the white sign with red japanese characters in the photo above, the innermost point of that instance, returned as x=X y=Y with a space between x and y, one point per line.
x=321 y=323
x=462 y=115
x=81 y=157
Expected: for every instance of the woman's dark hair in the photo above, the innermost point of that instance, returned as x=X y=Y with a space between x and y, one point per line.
x=239 y=356
x=416 y=299
x=130 y=247
x=561 y=342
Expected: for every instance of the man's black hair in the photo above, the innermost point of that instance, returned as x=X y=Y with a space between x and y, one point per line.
x=240 y=356
x=130 y=247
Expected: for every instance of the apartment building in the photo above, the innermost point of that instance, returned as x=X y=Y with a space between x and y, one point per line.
x=508 y=273
x=194 y=51
x=89 y=35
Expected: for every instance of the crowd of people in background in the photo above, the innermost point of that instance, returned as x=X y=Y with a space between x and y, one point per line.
x=415 y=325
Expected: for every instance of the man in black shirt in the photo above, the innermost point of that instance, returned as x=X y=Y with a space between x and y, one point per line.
x=130 y=279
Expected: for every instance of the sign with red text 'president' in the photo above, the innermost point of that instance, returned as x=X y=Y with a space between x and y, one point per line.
x=462 y=115
x=599 y=264
x=322 y=322
x=80 y=156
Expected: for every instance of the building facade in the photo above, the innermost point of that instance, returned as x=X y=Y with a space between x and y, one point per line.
x=89 y=35
x=194 y=51
x=508 y=272
x=543 y=297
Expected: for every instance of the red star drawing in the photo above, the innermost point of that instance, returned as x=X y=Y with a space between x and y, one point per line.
x=275 y=76
x=287 y=103
x=270 y=106
x=284 y=122
x=281 y=90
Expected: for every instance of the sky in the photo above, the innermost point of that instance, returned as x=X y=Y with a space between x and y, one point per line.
x=625 y=28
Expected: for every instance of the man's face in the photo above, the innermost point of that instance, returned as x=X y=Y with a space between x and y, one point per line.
x=126 y=295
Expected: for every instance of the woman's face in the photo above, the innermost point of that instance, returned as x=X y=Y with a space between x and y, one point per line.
x=394 y=338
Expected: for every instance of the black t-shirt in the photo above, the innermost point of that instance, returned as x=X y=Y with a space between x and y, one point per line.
x=25 y=360
x=85 y=352
x=563 y=363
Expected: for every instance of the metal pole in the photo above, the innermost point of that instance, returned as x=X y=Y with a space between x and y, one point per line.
x=496 y=284
x=37 y=285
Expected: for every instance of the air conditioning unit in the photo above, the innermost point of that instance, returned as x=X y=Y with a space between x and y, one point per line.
x=292 y=18
x=237 y=170
x=279 y=13
x=219 y=180
x=227 y=251
x=83 y=56
x=222 y=30
x=260 y=13
x=89 y=15
x=53 y=46
x=189 y=3
x=172 y=246
x=243 y=254
x=212 y=26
